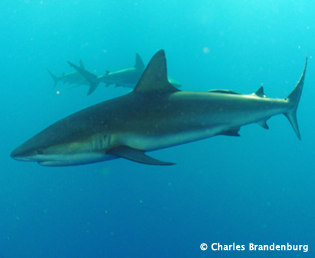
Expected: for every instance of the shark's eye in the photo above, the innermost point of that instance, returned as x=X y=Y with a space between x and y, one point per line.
x=39 y=152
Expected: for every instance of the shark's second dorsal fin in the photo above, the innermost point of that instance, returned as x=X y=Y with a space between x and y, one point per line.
x=260 y=92
x=81 y=64
x=154 y=77
x=139 y=63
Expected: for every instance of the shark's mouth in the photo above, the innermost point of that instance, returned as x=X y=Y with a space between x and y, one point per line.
x=51 y=163
x=76 y=160
x=59 y=163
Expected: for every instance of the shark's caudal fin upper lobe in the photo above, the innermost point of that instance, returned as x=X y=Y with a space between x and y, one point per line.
x=294 y=98
x=90 y=77
x=139 y=63
x=55 y=78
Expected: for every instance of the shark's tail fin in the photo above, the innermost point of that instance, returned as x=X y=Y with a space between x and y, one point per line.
x=90 y=77
x=139 y=63
x=293 y=99
x=55 y=78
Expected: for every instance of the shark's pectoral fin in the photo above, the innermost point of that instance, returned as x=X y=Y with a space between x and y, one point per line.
x=136 y=155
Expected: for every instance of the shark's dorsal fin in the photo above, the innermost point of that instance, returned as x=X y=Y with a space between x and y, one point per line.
x=260 y=92
x=154 y=77
x=81 y=64
x=139 y=63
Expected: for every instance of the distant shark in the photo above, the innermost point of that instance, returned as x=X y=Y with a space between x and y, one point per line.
x=70 y=78
x=155 y=115
x=127 y=77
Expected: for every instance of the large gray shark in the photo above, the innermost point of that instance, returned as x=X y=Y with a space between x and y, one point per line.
x=70 y=78
x=126 y=77
x=154 y=116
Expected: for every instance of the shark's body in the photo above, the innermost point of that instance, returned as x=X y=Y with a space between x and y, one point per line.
x=154 y=116
x=126 y=78
x=70 y=78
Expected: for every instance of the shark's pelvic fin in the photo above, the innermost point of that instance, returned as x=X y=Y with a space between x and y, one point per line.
x=90 y=77
x=293 y=99
x=136 y=155
x=55 y=78
x=154 y=77
x=139 y=63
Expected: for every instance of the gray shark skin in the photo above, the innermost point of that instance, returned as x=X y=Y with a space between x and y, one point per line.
x=126 y=78
x=70 y=78
x=154 y=116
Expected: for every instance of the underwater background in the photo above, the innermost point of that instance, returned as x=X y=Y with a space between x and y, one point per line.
x=257 y=188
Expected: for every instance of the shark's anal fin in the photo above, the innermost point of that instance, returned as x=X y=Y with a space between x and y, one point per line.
x=136 y=155
x=263 y=124
x=231 y=132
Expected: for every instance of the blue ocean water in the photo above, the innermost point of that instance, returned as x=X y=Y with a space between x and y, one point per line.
x=257 y=188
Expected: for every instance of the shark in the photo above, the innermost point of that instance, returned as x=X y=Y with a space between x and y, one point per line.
x=70 y=78
x=154 y=116
x=126 y=78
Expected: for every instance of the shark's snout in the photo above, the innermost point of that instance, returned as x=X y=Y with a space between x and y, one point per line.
x=15 y=154
x=20 y=153
x=17 y=157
